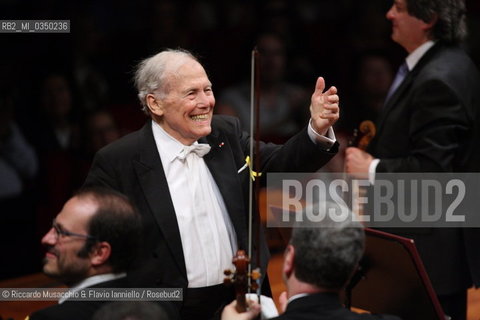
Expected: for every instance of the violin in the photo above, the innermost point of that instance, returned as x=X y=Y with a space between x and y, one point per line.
x=242 y=280
x=361 y=139
x=363 y=135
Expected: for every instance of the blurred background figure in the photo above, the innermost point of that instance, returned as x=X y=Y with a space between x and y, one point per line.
x=372 y=75
x=282 y=111
x=18 y=168
x=90 y=57
x=54 y=131
x=101 y=129
x=55 y=127
x=18 y=162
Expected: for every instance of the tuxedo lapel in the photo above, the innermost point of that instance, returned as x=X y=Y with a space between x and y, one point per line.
x=402 y=91
x=395 y=99
x=154 y=185
x=153 y=182
x=222 y=167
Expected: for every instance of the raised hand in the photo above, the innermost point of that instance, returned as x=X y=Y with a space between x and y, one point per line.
x=324 y=107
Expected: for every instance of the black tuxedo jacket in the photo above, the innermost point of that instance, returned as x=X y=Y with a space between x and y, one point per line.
x=84 y=310
x=431 y=124
x=324 y=306
x=132 y=166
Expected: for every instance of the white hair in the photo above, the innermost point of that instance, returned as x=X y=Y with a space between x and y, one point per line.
x=151 y=73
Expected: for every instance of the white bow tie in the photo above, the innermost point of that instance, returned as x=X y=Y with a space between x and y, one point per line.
x=199 y=149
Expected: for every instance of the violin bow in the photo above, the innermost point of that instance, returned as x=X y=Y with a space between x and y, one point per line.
x=254 y=181
x=244 y=278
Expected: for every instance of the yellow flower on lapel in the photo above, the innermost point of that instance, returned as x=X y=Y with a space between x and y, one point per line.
x=253 y=174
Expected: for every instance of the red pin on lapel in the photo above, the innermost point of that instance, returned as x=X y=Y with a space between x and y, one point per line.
x=221 y=144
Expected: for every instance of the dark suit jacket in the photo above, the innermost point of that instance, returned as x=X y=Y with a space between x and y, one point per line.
x=132 y=166
x=431 y=124
x=84 y=310
x=324 y=306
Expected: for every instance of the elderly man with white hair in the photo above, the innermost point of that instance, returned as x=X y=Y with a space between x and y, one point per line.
x=186 y=172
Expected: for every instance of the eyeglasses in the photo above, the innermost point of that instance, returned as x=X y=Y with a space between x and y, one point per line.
x=60 y=233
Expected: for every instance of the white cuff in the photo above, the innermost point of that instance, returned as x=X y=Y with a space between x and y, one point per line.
x=372 y=170
x=326 y=141
x=268 y=309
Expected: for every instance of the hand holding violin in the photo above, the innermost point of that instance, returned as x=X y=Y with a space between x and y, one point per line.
x=357 y=160
x=230 y=311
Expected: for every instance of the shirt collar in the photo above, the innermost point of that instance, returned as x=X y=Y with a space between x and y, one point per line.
x=417 y=54
x=297 y=296
x=166 y=144
x=93 y=280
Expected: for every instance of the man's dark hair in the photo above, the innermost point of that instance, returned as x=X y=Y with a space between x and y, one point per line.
x=117 y=222
x=327 y=252
x=451 y=26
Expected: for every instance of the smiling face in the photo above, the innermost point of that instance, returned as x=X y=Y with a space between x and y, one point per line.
x=62 y=260
x=408 y=31
x=185 y=111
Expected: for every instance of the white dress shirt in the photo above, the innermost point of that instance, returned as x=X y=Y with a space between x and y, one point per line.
x=207 y=234
x=206 y=231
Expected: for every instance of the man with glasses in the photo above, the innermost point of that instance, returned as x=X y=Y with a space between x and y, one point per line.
x=91 y=244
